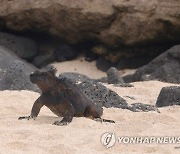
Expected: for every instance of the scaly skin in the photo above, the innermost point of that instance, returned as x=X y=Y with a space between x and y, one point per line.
x=62 y=99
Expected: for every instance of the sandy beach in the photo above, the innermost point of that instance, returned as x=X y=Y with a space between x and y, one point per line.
x=83 y=135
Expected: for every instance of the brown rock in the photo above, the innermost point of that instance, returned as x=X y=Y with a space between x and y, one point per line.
x=113 y=22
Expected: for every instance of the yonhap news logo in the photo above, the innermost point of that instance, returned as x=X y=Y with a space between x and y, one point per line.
x=109 y=139
x=149 y=140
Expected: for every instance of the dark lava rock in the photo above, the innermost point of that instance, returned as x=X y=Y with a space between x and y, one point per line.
x=101 y=95
x=169 y=96
x=6 y=56
x=103 y=80
x=23 y=47
x=43 y=60
x=132 y=63
x=16 y=77
x=139 y=107
x=103 y=64
x=65 y=52
x=98 y=93
x=113 y=77
x=165 y=67
x=14 y=72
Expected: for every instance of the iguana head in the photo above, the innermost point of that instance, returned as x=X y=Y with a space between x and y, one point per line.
x=44 y=79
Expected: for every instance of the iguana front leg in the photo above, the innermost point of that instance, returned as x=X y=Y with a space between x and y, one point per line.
x=68 y=116
x=35 y=110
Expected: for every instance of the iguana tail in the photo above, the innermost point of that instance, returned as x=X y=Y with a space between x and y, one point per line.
x=104 y=120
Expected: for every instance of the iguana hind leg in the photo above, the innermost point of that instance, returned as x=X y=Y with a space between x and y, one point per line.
x=95 y=113
x=68 y=116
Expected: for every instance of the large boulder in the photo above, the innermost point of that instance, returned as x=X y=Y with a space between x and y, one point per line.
x=6 y=57
x=113 y=22
x=168 y=96
x=16 y=77
x=22 y=46
x=95 y=91
x=165 y=67
x=101 y=95
x=14 y=72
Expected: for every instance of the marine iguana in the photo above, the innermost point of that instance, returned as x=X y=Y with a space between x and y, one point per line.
x=62 y=99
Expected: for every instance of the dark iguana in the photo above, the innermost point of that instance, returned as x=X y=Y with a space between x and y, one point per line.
x=62 y=99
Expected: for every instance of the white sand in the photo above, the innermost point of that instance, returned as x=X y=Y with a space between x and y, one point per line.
x=80 y=66
x=83 y=135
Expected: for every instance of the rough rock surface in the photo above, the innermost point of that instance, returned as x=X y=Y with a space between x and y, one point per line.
x=6 y=56
x=14 y=72
x=23 y=47
x=165 y=67
x=100 y=95
x=94 y=90
x=113 y=22
x=113 y=77
x=16 y=77
x=169 y=96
